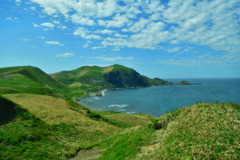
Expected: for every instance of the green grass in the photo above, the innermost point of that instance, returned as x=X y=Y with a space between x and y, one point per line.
x=117 y=123
x=117 y=67
x=44 y=127
x=26 y=136
x=39 y=120
x=126 y=145
x=28 y=79
x=133 y=119
x=202 y=131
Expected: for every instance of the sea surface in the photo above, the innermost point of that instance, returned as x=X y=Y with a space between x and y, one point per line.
x=158 y=100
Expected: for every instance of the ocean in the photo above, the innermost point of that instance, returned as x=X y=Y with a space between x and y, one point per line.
x=158 y=100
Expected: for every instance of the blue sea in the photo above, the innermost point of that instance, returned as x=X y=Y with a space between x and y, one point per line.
x=158 y=100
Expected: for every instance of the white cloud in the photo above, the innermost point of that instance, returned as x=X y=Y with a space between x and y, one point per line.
x=18 y=2
x=54 y=43
x=25 y=39
x=139 y=25
x=33 y=8
x=203 y=60
x=82 y=20
x=83 y=7
x=40 y=37
x=65 y=55
x=48 y=25
x=12 y=19
x=118 y=21
x=105 y=31
x=64 y=27
x=113 y=59
x=35 y=25
x=84 y=33
x=149 y=24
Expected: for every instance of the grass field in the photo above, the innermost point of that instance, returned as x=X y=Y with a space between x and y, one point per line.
x=39 y=120
x=201 y=131
x=47 y=128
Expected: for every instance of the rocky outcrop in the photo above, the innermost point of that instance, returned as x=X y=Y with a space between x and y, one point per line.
x=126 y=79
x=183 y=83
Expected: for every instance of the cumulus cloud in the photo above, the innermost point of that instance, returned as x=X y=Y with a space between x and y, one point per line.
x=40 y=37
x=35 y=25
x=85 y=33
x=18 y=2
x=65 y=55
x=12 y=19
x=76 y=18
x=53 y=43
x=48 y=25
x=150 y=24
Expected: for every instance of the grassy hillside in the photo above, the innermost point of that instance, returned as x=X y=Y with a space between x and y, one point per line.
x=28 y=79
x=201 y=131
x=94 y=78
x=38 y=121
x=44 y=127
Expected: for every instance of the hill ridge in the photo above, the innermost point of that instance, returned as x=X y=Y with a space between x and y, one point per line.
x=113 y=76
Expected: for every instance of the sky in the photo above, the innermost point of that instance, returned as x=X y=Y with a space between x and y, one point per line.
x=157 y=38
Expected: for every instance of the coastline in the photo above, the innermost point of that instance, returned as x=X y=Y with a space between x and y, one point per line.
x=100 y=93
x=84 y=105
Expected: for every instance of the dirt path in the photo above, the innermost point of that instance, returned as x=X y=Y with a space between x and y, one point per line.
x=90 y=154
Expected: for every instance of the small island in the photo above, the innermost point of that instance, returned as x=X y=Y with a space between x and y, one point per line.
x=183 y=82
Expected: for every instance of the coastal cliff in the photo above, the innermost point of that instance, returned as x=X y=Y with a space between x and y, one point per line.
x=115 y=76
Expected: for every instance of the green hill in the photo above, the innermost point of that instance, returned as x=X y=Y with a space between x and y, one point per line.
x=115 y=76
x=28 y=79
x=43 y=127
x=201 y=131
x=38 y=121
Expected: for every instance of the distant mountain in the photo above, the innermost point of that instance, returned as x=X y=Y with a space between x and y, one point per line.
x=28 y=79
x=115 y=76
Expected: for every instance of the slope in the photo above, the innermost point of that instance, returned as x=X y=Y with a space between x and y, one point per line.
x=93 y=78
x=43 y=127
x=49 y=130
x=28 y=79
x=201 y=131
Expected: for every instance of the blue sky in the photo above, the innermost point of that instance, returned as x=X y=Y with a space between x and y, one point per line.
x=165 y=39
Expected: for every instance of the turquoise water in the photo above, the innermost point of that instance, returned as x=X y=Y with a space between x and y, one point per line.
x=158 y=100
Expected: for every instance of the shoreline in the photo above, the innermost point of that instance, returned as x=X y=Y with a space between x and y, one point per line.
x=100 y=93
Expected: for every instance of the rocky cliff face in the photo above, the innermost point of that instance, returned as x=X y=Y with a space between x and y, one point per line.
x=115 y=76
x=123 y=79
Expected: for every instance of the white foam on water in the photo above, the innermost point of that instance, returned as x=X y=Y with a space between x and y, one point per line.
x=118 y=105
x=103 y=92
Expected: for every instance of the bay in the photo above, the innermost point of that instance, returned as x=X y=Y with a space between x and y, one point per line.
x=158 y=100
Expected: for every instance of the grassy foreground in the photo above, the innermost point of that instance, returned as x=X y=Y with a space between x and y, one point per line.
x=38 y=120
x=44 y=127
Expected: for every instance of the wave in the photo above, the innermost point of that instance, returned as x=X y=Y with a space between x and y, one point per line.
x=118 y=105
x=103 y=92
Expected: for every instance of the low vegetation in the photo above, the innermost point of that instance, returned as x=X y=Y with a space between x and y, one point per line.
x=50 y=134
x=39 y=120
x=201 y=131
x=94 y=78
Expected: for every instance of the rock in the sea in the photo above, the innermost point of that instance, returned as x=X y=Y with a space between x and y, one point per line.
x=183 y=83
